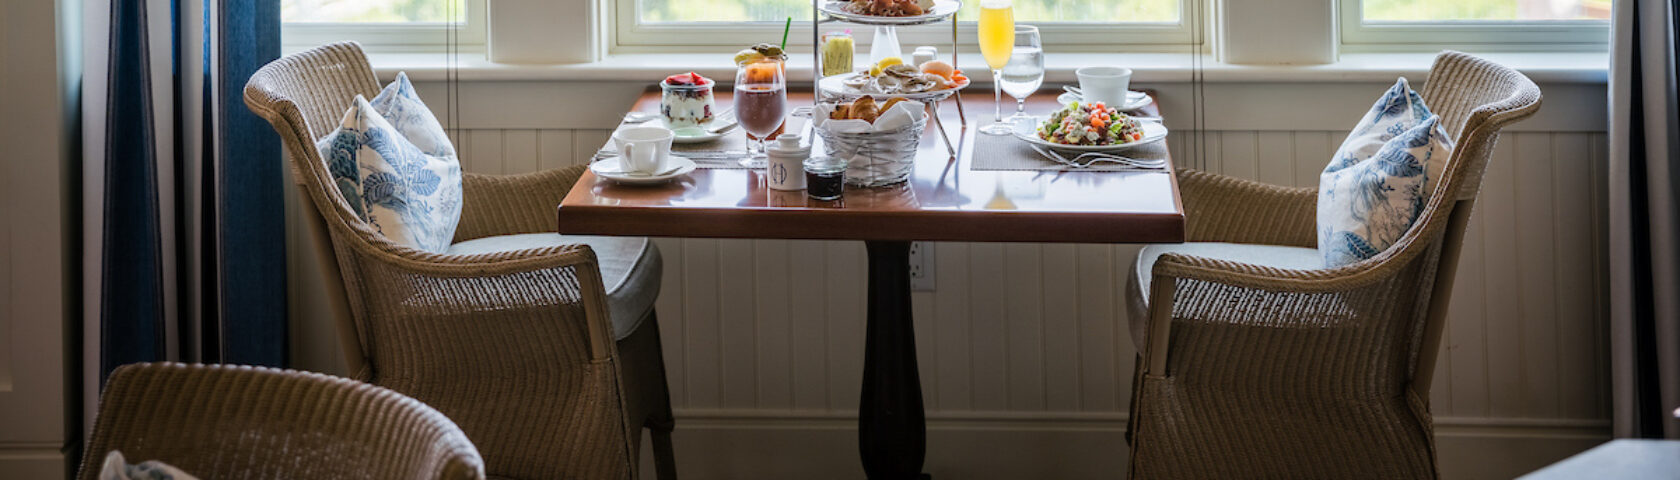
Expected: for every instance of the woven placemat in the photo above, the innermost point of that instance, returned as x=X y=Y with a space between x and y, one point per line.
x=735 y=140
x=1005 y=152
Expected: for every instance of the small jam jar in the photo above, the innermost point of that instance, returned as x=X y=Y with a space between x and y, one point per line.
x=825 y=178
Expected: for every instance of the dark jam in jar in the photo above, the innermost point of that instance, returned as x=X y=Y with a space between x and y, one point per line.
x=825 y=178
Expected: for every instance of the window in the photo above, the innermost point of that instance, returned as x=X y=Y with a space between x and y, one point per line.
x=1511 y=24
x=729 y=24
x=1494 y=10
x=384 y=24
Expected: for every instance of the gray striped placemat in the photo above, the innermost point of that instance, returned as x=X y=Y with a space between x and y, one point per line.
x=1005 y=152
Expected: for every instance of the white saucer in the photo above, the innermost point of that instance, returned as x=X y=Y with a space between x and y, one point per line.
x=611 y=169
x=706 y=135
x=1134 y=100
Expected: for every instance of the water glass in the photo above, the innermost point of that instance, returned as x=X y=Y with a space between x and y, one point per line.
x=1025 y=71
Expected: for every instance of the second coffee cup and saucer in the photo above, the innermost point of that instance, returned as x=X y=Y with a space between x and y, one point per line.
x=1110 y=85
x=644 y=158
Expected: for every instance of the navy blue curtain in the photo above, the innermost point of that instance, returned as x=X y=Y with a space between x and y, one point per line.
x=250 y=185
x=229 y=276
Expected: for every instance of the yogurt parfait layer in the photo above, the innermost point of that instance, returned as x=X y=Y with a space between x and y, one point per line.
x=686 y=100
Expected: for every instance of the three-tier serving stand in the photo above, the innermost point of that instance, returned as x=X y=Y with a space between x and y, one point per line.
x=827 y=11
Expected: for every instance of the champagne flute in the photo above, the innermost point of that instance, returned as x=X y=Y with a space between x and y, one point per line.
x=1025 y=72
x=760 y=104
x=997 y=41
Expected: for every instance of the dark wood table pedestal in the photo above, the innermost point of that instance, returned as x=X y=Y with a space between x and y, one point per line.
x=892 y=432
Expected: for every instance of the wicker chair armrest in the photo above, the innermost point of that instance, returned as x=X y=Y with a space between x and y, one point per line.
x=1219 y=208
x=579 y=259
x=509 y=204
x=228 y=421
x=1163 y=297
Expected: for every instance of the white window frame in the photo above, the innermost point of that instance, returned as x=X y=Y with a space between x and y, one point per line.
x=394 y=36
x=1547 y=35
x=630 y=36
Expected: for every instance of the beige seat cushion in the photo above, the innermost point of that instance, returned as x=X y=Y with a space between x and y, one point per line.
x=630 y=269
x=1298 y=258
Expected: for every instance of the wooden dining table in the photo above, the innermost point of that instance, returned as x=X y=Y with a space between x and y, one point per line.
x=945 y=199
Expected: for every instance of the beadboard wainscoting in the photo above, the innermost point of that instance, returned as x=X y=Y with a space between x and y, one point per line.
x=1025 y=359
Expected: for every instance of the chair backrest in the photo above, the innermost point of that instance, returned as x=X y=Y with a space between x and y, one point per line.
x=225 y=421
x=304 y=96
x=1475 y=99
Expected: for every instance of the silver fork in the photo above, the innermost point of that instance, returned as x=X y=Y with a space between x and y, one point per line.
x=1094 y=157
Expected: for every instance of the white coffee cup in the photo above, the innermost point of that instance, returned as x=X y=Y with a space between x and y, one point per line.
x=1104 y=84
x=643 y=149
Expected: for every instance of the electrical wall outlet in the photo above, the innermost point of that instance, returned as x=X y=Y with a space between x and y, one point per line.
x=921 y=266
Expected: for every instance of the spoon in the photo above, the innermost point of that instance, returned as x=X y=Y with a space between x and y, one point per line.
x=660 y=173
x=639 y=117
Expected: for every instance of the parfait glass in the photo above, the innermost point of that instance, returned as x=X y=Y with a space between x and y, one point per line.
x=1025 y=71
x=997 y=41
x=760 y=104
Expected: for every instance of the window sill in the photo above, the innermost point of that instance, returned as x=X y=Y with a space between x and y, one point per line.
x=1571 y=67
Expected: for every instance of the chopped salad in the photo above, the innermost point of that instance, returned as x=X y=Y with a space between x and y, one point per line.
x=1090 y=124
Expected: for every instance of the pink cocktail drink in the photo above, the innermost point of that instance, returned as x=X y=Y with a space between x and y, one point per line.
x=761 y=108
x=760 y=103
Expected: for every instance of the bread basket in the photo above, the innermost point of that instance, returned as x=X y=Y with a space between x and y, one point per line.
x=876 y=157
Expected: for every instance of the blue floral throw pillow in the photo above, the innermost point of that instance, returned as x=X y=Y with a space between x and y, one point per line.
x=396 y=168
x=1381 y=177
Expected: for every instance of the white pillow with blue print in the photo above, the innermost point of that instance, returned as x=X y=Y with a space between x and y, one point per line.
x=1381 y=177
x=396 y=168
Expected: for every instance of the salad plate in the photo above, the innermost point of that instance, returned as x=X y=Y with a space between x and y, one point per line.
x=612 y=169
x=941 y=10
x=1134 y=100
x=1027 y=131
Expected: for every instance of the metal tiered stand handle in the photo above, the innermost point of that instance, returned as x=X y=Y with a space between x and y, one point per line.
x=817 y=19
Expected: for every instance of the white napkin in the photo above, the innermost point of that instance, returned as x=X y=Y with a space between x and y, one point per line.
x=904 y=113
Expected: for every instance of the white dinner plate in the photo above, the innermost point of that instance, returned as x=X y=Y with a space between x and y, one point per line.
x=836 y=85
x=941 y=10
x=1027 y=131
x=1134 y=100
x=611 y=169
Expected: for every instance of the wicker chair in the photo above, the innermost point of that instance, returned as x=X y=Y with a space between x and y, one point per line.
x=1258 y=363
x=513 y=333
x=223 y=421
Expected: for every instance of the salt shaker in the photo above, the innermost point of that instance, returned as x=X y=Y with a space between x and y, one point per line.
x=923 y=55
x=786 y=169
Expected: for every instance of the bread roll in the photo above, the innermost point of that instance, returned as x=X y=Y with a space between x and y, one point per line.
x=889 y=104
x=865 y=109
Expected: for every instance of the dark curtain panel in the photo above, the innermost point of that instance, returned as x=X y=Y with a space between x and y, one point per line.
x=132 y=311
x=1644 y=232
x=192 y=254
x=251 y=226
